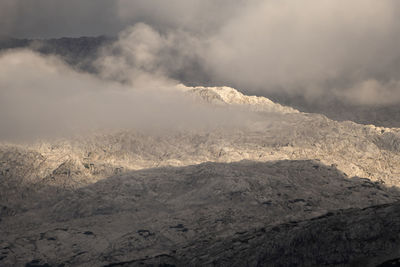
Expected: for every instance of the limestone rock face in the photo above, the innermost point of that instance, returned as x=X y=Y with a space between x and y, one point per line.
x=250 y=194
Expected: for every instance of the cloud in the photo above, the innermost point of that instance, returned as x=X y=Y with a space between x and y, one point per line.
x=60 y=18
x=142 y=50
x=8 y=16
x=315 y=49
x=307 y=47
x=195 y=16
x=43 y=97
x=371 y=92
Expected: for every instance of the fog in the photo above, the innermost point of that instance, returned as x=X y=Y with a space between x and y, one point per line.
x=42 y=97
x=347 y=50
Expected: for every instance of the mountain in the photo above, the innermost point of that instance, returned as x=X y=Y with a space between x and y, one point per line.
x=283 y=188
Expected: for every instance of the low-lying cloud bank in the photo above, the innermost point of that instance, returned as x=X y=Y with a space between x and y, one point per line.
x=43 y=97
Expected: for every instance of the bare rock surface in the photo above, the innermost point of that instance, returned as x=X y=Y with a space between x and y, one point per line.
x=250 y=194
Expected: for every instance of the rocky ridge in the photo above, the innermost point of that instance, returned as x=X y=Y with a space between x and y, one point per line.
x=279 y=133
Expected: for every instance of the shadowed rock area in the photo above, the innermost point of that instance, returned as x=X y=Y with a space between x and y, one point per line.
x=224 y=214
x=353 y=237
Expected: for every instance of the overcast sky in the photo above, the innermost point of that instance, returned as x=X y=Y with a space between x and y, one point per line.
x=65 y=18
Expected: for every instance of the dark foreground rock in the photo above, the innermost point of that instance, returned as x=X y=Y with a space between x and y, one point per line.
x=354 y=237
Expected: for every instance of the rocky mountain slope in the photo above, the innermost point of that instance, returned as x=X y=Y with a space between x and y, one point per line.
x=197 y=215
x=355 y=237
x=250 y=194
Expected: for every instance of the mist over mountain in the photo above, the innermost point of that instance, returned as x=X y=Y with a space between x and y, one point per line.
x=81 y=53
